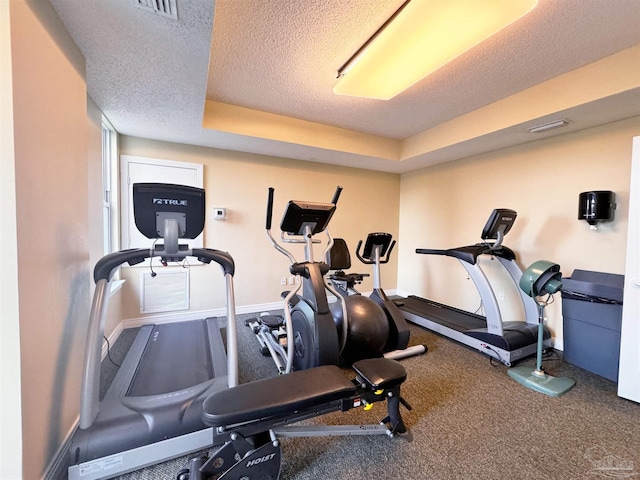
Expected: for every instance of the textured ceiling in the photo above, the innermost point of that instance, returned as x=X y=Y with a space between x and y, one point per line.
x=156 y=78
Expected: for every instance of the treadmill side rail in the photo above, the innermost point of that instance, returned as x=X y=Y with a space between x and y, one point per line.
x=134 y=459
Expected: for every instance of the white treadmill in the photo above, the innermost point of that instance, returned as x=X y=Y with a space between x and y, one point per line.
x=505 y=341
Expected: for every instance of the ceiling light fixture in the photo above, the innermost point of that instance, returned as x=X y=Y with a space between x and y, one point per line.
x=419 y=38
x=549 y=126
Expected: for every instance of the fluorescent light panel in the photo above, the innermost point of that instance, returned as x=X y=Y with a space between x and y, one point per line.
x=549 y=126
x=424 y=36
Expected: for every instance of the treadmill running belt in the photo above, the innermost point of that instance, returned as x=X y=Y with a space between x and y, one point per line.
x=177 y=356
x=451 y=317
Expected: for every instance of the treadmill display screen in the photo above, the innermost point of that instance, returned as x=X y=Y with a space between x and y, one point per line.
x=154 y=203
x=500 y=220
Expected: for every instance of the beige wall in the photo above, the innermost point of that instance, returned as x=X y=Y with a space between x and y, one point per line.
x=446 y=206
x=239 y=182
x=51 y=144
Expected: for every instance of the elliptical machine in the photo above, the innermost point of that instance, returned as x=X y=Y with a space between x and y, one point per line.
x=377 y=250
x=309 y=335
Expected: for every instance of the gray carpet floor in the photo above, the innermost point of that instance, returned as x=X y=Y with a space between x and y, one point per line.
x=469 y=421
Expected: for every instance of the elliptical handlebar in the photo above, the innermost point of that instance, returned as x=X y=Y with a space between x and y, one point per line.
x=272 y=240
x=269 y=207
x=366 y=261
x=325 y=252
x=336 y=195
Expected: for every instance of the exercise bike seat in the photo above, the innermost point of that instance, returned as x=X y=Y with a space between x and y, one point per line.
x=276 y=396
x=339 y=257
x=339 y=260
x=351 y=279
x=293 y=300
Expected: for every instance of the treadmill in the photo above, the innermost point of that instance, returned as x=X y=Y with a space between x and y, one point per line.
x=505 y=341
x=153 y=409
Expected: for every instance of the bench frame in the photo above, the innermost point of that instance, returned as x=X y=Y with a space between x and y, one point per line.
x=252 y=448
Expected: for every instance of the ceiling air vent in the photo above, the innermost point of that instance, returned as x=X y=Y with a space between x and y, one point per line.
x=166 y=8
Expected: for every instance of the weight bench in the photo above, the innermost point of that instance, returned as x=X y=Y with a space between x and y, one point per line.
x=248 y=419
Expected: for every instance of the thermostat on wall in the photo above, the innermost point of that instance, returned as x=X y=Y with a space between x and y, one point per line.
x=219 y=213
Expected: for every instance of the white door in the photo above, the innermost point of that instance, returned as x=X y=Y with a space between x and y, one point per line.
x=138 y=169
x=629 y=371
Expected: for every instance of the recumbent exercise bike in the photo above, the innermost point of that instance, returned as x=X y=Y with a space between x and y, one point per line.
x=377 y=250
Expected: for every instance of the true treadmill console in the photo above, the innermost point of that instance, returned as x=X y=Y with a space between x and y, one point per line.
x=155 y=203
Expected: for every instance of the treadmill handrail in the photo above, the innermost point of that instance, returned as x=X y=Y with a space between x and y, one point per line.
x=221 y=258
x=107 y=266
x=470 y=253
x=103 y=273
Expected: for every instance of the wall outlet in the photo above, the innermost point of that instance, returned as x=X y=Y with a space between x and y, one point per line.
x=291 y=279
x=283 y=280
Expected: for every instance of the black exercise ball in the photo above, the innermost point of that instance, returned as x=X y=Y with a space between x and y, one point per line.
x=368 y=328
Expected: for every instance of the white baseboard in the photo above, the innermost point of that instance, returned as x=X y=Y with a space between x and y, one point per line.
x=186 y=316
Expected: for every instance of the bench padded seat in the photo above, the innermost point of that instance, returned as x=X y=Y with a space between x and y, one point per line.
x=275 y=396
x=380 y=373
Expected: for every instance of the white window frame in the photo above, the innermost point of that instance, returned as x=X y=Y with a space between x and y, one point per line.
x=110 y=191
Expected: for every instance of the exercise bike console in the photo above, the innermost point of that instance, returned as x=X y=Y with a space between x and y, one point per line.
x=381 y=241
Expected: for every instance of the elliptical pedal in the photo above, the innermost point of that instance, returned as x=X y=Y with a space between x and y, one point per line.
x=271 y=334
x=271 y=321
